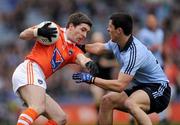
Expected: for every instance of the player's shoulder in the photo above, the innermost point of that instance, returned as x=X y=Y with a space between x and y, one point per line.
x=137 y=42
x=140 y=48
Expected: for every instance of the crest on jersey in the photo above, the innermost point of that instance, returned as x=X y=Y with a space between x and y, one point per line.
x=40 y=81
x=70 y=52
x=57 y=59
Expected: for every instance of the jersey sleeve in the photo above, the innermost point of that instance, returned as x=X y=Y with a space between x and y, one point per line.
x=109 y=45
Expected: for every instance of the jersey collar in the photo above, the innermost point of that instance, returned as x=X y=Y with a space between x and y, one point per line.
x=128 y=43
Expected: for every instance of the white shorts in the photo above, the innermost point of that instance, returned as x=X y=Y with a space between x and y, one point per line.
x=28 y=73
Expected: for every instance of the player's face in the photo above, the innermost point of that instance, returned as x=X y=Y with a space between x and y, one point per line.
x=79 y=32
x=112 y=31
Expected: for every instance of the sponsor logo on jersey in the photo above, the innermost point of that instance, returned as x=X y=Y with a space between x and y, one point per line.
x=70 y=52
x=40 y=81
x=56 y=60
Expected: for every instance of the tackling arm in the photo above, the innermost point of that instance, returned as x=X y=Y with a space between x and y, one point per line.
x=96 y=48
x=113 y=85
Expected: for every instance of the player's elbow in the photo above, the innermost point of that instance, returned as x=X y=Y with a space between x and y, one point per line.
x=22 y=36
x=119 y=87
x=25 y=36
x=115 y=88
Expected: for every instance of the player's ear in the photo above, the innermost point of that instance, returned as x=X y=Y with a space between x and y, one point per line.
x=119 y=30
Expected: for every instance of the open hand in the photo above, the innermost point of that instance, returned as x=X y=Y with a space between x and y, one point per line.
x=83 y=77
x=47 y=31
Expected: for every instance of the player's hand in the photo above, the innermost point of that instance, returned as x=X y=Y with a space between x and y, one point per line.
x=92 y=67
x=82 y=47
x=83 y=77
x=46 y=31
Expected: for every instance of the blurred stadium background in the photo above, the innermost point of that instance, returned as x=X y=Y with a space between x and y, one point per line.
x=16 y=15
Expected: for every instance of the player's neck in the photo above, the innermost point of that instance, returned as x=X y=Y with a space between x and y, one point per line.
x=123 y=40
x=67 y=38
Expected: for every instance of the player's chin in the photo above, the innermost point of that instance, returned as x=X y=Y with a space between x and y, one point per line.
x=113 y=39
x=75 y=42
x=79 y=40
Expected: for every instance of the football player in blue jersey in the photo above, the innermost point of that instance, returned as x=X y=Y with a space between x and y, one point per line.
x=149 y=91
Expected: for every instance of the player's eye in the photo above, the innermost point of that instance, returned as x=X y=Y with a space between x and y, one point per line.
x=83 y=29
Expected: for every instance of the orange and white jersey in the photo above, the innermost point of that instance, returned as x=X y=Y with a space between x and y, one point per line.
x=53 y=57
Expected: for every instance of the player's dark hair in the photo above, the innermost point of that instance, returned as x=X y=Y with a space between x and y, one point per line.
x=78 y=18
x=122 y=20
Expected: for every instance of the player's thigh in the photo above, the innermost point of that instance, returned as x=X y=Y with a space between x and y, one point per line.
x=29 y=81
x=53 y=109
x=141 y=98
x=117 y=99
x=32 y=95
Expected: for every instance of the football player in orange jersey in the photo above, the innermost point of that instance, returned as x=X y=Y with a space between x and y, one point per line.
x=29 y=78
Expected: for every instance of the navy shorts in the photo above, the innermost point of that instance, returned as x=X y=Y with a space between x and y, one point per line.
x=159 y=95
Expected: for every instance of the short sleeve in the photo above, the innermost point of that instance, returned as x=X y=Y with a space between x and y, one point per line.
x=109 y=45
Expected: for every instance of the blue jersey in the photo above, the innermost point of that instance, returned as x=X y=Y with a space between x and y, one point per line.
x=136 y=60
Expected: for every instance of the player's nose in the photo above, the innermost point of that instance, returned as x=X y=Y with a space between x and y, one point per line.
x=108 y=29
x=84 y=34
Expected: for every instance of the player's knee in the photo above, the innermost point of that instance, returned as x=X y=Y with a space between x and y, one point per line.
x=130 y=105
x=106 y=101
x=39 y=108
x=62 y=120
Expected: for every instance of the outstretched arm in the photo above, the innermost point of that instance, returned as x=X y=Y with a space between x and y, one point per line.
x=94 y=48
x=113 y=85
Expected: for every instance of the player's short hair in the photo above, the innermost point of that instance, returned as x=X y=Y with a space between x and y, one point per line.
x=78 y=18
x=122 y=20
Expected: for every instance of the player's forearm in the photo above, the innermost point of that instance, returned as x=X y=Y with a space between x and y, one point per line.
x=82 y=60
x=96 y=48
x=27 y=34
x=112 y=85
